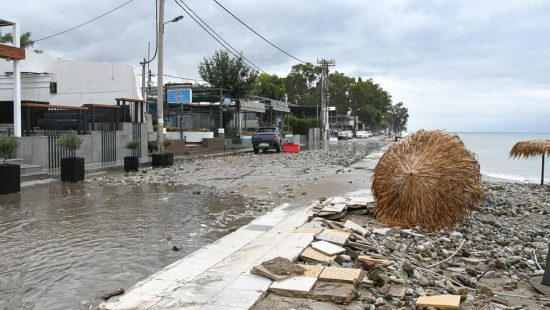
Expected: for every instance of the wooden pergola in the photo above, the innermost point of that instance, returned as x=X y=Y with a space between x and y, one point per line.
x=14 y=53
x=532 y=148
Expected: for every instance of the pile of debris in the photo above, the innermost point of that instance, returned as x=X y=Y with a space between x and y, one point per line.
x=359 y=263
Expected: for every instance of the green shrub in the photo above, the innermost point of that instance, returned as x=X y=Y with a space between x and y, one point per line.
x=301 y=126
x=70 y=141
x=133 y=145
x=8 y=145
x=165 y=143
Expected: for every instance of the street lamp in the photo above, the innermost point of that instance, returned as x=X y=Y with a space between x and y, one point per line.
x=160 y=73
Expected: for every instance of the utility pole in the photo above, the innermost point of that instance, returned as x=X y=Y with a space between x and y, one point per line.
x=325 y=96
x=160 y=75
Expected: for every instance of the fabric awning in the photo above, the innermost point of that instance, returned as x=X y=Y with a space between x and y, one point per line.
x=252 y=106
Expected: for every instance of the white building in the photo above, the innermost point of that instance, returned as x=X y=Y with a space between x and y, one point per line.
x=72 y=83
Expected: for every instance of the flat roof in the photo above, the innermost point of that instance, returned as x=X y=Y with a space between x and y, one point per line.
x=6 y=21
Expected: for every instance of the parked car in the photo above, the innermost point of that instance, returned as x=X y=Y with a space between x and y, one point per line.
x=363 y=134
x=345 y=135
x=268 y=138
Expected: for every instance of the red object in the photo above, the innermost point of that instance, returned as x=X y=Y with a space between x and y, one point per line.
x=291 y=148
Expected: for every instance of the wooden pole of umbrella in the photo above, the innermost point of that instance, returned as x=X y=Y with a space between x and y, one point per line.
x=532 y=148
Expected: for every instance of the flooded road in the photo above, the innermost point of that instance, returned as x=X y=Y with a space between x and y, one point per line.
x=62 y=244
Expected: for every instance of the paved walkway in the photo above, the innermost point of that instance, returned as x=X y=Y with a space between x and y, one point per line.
x=218 y=275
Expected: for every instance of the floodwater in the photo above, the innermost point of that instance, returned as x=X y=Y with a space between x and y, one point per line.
x=63 y=244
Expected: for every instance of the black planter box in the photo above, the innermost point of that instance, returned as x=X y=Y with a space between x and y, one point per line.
x=131 y=163
x=10 y=179
x=72 y=169
x=163 y=160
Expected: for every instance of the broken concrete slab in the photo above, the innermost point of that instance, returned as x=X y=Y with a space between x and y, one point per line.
x=299 y=286
x=311 y=255
x=327 y=248
x=312 y=270
x=439 y=301
x=262 y=271
x=338 y=274
x=282 y=266
x=335 y=236
x=351 y=225
x=338 y=293
x=334 y=208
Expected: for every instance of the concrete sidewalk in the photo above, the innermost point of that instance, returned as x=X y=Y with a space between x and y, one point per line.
x=218 y=275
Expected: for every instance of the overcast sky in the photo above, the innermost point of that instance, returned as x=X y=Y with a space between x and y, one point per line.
x=457 y=65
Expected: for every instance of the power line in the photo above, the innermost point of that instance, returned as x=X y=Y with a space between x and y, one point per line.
x=213 y=31
x=237 y=54
x=259 y=35
x=183 y=78
x=85 y=23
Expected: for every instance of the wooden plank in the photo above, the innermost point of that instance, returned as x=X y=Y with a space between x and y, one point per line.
x=439 y=301
x=44 y=106
x=12 y=53
x=129 y=99
x=100 y=105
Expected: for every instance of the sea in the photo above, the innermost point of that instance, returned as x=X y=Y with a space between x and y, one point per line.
x=493 y=149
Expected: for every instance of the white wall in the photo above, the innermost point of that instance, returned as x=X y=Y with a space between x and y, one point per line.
x=77 y=82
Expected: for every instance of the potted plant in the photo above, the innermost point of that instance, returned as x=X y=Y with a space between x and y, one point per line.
x=163 y=159
x=131 y=163
x=72 y=167
x=10 y=175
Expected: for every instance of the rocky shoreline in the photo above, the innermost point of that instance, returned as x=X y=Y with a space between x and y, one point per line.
x=486 y=260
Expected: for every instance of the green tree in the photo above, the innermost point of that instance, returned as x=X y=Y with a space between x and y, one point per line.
x=397 y=117
x=339 y=89
x=24 y=41
x=370 y=102
x=270 y=86
x=227 y=72
x=302 y=84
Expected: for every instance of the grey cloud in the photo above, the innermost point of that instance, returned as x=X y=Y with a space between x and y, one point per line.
x=468 y=51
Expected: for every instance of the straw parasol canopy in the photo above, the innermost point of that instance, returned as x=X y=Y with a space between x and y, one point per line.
x=532 y=148
x=428 y=179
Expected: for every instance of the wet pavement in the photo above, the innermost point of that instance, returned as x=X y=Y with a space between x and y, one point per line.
x=62 y=244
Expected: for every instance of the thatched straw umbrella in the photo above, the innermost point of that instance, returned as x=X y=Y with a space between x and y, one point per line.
x=532 y=148
x=428 y=179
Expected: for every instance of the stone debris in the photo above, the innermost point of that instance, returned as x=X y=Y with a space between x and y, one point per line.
x=338 y=293
x=260 y=270
x=282 y=266
x=439 y=301
x=468 y=267
x=327 y=248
